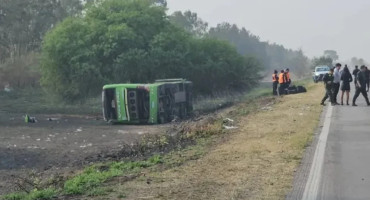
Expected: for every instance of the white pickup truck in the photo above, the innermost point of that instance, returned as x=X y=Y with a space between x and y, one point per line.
x=320 y=72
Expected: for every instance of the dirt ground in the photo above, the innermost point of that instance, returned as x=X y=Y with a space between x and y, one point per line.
x=61 y=145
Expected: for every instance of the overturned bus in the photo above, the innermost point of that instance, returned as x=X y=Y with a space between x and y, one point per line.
x=155 y=103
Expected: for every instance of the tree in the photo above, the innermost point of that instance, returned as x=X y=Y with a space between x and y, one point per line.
x=323 y=60
x=133 y=41
x=271 y=56
x=358 y=61
x=24 y=23
x=190 y=22
x=331 y=54
x=82 y=53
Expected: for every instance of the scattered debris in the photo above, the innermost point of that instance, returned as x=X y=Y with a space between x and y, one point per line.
x=230 y=127
x=7 y=88
x=53 y=119
x=33 y=147
x=228 y=120
x=29 y=119
x=78 y=130
x=87 y=145
x=267 y=108
x=228 y=124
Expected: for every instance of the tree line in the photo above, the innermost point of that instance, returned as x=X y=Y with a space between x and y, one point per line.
x=76 y=48
x=272 y=56
x=133 y=41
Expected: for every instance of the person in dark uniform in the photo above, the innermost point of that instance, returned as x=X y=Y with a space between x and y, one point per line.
x=275 y=82
x=367 y=77
x=329 y=83
x=346 y=78
x=361 y=86
x=282 y=81
x=355 y=71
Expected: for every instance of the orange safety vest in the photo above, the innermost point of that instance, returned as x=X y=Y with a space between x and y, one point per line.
x=288 y=76
x=282 y=78
x=275 y=78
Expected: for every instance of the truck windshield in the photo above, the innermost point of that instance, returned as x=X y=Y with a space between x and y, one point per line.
x=322 y=69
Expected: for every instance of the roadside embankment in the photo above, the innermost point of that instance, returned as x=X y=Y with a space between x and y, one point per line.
x=256 y=161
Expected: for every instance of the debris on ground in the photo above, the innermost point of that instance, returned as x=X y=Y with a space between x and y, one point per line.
x=228 y=124
x=267 y=108
x=52 y=119
x=29 y=119
x=230 y=127
x=228 y=120
x=86 y=145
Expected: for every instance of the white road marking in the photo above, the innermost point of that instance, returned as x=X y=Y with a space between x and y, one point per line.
x=313 y=182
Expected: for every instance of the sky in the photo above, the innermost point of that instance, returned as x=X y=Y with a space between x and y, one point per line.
x=312 y=25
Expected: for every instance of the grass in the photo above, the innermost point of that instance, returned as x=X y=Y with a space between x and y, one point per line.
x=258 y=161
x=210 y=104
x=94 y=176
x=36 y=101
x=89 y=182
x=35 y=194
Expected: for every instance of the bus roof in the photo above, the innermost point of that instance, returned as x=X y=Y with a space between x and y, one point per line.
x=129 y=85
x=135 y=85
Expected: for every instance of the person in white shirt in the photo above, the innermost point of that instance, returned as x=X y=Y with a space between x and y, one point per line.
x=336 y=82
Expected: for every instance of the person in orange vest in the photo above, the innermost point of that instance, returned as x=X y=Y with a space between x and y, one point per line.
x=275 y=82
x=282 y=81
x=289 y=81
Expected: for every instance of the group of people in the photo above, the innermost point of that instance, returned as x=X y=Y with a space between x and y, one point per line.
x=280 y=82
x=338 y=79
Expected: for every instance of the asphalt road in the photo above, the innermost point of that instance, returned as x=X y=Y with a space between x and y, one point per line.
x=340 y=167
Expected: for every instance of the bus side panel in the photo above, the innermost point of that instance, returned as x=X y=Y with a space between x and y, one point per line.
x=153 y=119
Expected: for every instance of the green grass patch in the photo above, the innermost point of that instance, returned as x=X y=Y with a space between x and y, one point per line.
x=89 y=182
x=35 y=194
x=96 y=175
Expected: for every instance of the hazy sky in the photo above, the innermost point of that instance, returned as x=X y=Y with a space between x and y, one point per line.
x=313 y=25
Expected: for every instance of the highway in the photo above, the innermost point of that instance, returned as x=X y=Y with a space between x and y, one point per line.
x=339 y=167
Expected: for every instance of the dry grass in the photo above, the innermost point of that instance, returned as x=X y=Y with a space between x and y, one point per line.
x=257 y=162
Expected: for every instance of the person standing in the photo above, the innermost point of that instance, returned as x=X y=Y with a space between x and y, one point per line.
x=289 y=81
x=354 y=73
x=282 y=82
x=346 y=80
x=336 y=85
x=361 y=86
x=275 y=82
x=367 y=77
x=328 y=82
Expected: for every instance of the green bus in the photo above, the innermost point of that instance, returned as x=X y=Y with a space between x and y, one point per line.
x=155 y=103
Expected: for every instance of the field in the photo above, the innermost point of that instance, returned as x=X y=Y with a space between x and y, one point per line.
x=198 y=158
